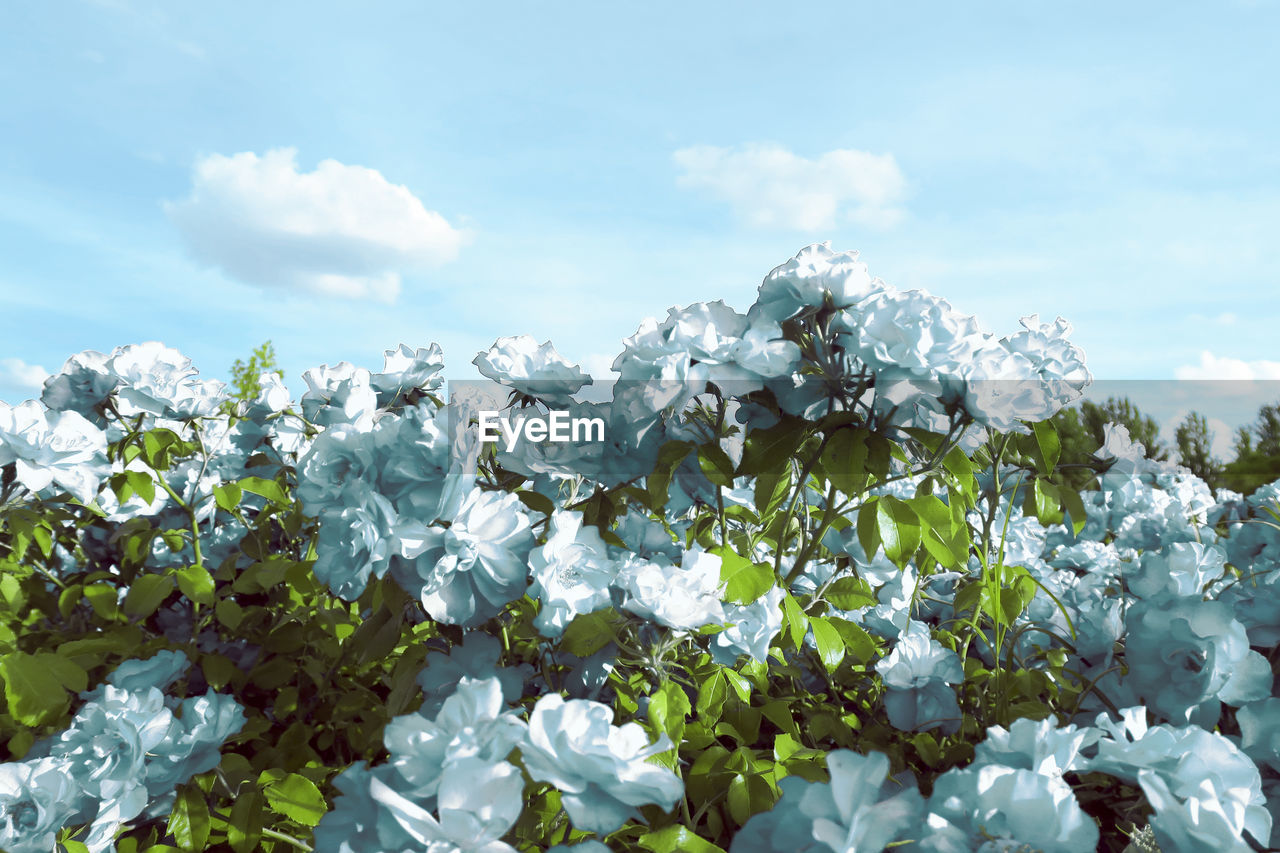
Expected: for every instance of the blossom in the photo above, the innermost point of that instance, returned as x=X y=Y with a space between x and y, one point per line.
x=53 y=448
x=571 y=573
x=468 y=571
x=472 y=723
x=354 y=544
x=538 y=371
x=1037 y=745
x=193 y=742
x=158 y=671
x=974 y=804
x=105 y=749
x=336 y=470
x=36 y=800
x=752 y=628
x=83 y=385
x=476 y=657
x=342 y=394
x=599 y=769
x=911 y=333
x=816 y=276
x=866 y=816
x=405 y=370
x=154 y=379
x=1185 y=653
x=683 y=597
x=479 y=805
x=916 y=675
x=1260 y=730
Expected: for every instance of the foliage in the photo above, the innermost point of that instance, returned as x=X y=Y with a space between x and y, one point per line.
x=827 y=584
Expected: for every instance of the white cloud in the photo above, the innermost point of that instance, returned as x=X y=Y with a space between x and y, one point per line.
x=17 y=375
x=338 y=231
x=770 y=187
x=1221 y=367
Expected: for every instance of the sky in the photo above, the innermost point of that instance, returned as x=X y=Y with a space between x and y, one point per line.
x=341 y=178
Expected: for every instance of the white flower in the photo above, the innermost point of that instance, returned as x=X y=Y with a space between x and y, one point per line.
x=53 y=448
x=539 y=371
x=600 y=769
x=571 y=573
x=683 y=597
x=816 y=274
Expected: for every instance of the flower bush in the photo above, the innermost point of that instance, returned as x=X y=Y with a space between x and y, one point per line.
x=822 y=586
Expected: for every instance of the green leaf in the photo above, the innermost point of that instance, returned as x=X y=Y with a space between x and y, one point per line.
x=961 y=467
x=263 y=487
x=658 y=482
x=244 y=829
x=1074 y=505
x=189 y=821
x=744 y=580
x=899 y=528
x=537 y=502
x=869 y=529
x=227 y=496
x=669 y=709
x=766 y=450
x=845 y=460
x=850 y=593
x=715 y=464
x=676 y=839
x=771 y=491
x=35 y=686
x=830 y=644
x=588 y=633
x=196 y=584
x=297 y=798
x=794 y=620
x=740 y=685
x=141 y=482
x=1043 y=502
x=146 y=593
x=1048 y=446
x=711 y=697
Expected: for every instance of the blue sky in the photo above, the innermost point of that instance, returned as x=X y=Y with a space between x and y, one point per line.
x=567 y=169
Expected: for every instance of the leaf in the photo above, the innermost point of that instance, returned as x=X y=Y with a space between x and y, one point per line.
x=845 y=460
x=588 y=633
x=868 y=530
x=227 y=496
x=1048 y=446
x=669 y=709
x=676 y=839
x=263 y=487
x=244 y=829
x=35 y=685
x=297 y=798
x=1075 y=506
x=146 y=593
x=794 y=620
x=715 y=464
x=196 y=584
x=189 y=821
x=771 y=490
x=830 y=644
x=711 y=696
x=658 y=482
x=767 y=450
x=850 y=593
x=537 y=502
x=744 y=580
x=899 y=529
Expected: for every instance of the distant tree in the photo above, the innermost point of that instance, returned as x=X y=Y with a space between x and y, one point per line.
x=1257 y=449
x=244 y=375
x=1194 y=440
x=1081 y=431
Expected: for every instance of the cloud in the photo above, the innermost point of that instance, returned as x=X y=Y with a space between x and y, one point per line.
x=1221 y=367
x=341 y=230
x=17 y=375
x=769 y=187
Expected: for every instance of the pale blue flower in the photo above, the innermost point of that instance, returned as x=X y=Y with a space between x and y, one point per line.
x=337 y=470
x=477 y=658
x=600 y=769
x=752 y=628
x=815 y=277
x=572 y=573
x=479 y=805
x=37 y=798
x=588 y=846
x=916 y=676
x=683 y=597
x=50 y=449
x=788 y=826
x=538 y=371
x=468 y=571
x=861 y=810
x=1186 y=654
x=341 y=394
x=973 y=805
x=406 y=371
x=358 y=823
x=1037 y=745
x=473 y=723
x=82 y=385
x=354 y=544
x=193 y=742
x=158 y=671
x=1260 y=731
